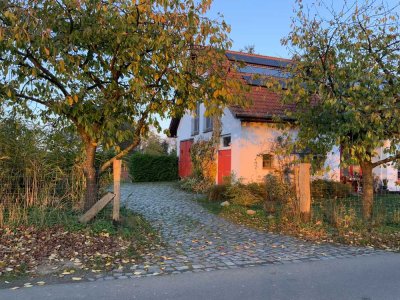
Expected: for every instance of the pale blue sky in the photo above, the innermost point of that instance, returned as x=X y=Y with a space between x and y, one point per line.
x=264 y=22
x=256 y=22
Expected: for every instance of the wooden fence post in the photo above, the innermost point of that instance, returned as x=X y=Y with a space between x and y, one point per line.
x=117 y=189
x=303 y=190
x=94 y=210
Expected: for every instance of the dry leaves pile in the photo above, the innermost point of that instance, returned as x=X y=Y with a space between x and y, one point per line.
x=23 y=249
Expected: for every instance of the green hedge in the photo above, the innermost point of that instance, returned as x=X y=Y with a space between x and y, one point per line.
x=148 y=167
x=327 y=189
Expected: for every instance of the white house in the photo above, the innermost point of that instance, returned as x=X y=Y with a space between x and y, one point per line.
x=249 y=135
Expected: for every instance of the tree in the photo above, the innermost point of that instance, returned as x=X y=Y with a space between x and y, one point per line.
x=251 y=49
x=110 y=66
x=154 y=144
x=344 y=81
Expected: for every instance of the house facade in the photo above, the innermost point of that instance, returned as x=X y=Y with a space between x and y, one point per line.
x=248 y=147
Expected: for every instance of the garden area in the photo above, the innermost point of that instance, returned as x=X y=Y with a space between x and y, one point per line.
x=336 y=212
x=41 y=200
x=83 y=86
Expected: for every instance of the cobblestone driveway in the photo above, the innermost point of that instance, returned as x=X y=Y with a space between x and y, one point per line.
x=198 y=240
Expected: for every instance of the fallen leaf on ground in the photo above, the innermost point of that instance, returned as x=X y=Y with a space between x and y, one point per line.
x=76 y=278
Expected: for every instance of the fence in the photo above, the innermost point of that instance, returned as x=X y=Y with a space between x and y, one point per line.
x=30 y=190
x=340 y=203
x=33 y=188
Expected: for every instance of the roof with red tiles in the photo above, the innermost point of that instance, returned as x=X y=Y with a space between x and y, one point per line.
x=264 y=105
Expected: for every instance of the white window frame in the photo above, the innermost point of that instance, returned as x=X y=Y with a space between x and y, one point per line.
x=222 y=141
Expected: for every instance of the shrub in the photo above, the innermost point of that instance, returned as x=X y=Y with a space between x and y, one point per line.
x=202 y=155
x=276 y=190
x=257 y=189
x=328 y=189
x=279 y=194
x=148 y=167
x=242 y=194
x=195 y=184
x=218 y=192
x=338 y=214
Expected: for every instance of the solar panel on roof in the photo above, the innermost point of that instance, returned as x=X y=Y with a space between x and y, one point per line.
x=263 y=71
x=256 y=60
x=261 y=81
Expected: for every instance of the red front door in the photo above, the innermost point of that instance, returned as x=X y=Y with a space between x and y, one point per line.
x=185 y=163
x=224 y=165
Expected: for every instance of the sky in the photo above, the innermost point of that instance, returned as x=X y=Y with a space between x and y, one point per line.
x=261 y=23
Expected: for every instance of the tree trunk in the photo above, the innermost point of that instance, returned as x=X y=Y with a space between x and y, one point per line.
x=91 y=176
x=368 y=189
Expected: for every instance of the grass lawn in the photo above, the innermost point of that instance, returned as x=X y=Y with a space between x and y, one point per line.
x=346 y=226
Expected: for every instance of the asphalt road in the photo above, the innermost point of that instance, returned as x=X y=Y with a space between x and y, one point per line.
x=363 y=278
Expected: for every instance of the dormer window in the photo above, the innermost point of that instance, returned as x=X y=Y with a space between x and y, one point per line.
x=196 y=120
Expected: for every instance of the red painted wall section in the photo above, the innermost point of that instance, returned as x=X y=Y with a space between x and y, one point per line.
x=185 y=163
x=224 y=165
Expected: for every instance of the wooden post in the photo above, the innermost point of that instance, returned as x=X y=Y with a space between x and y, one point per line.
x=96 y=208
x=117 y=189
x=303 y=190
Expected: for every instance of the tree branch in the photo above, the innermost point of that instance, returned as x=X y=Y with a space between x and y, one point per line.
x=31 y=98
x=136 y=141
x=376 y=57
x=121 y=154
x=98 y=83
x=49 y=76
x=386 y=160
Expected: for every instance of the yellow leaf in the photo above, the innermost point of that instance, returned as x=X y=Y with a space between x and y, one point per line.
x=70 y=100
x=96 y=271
x=62 y=66
x=47 y=51
x=105 y=234
x=76 y=278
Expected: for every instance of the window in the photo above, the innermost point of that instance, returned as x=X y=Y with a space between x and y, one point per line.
x=267 y=161
x=208 y=124
x=226 y=141
x=196 y=120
